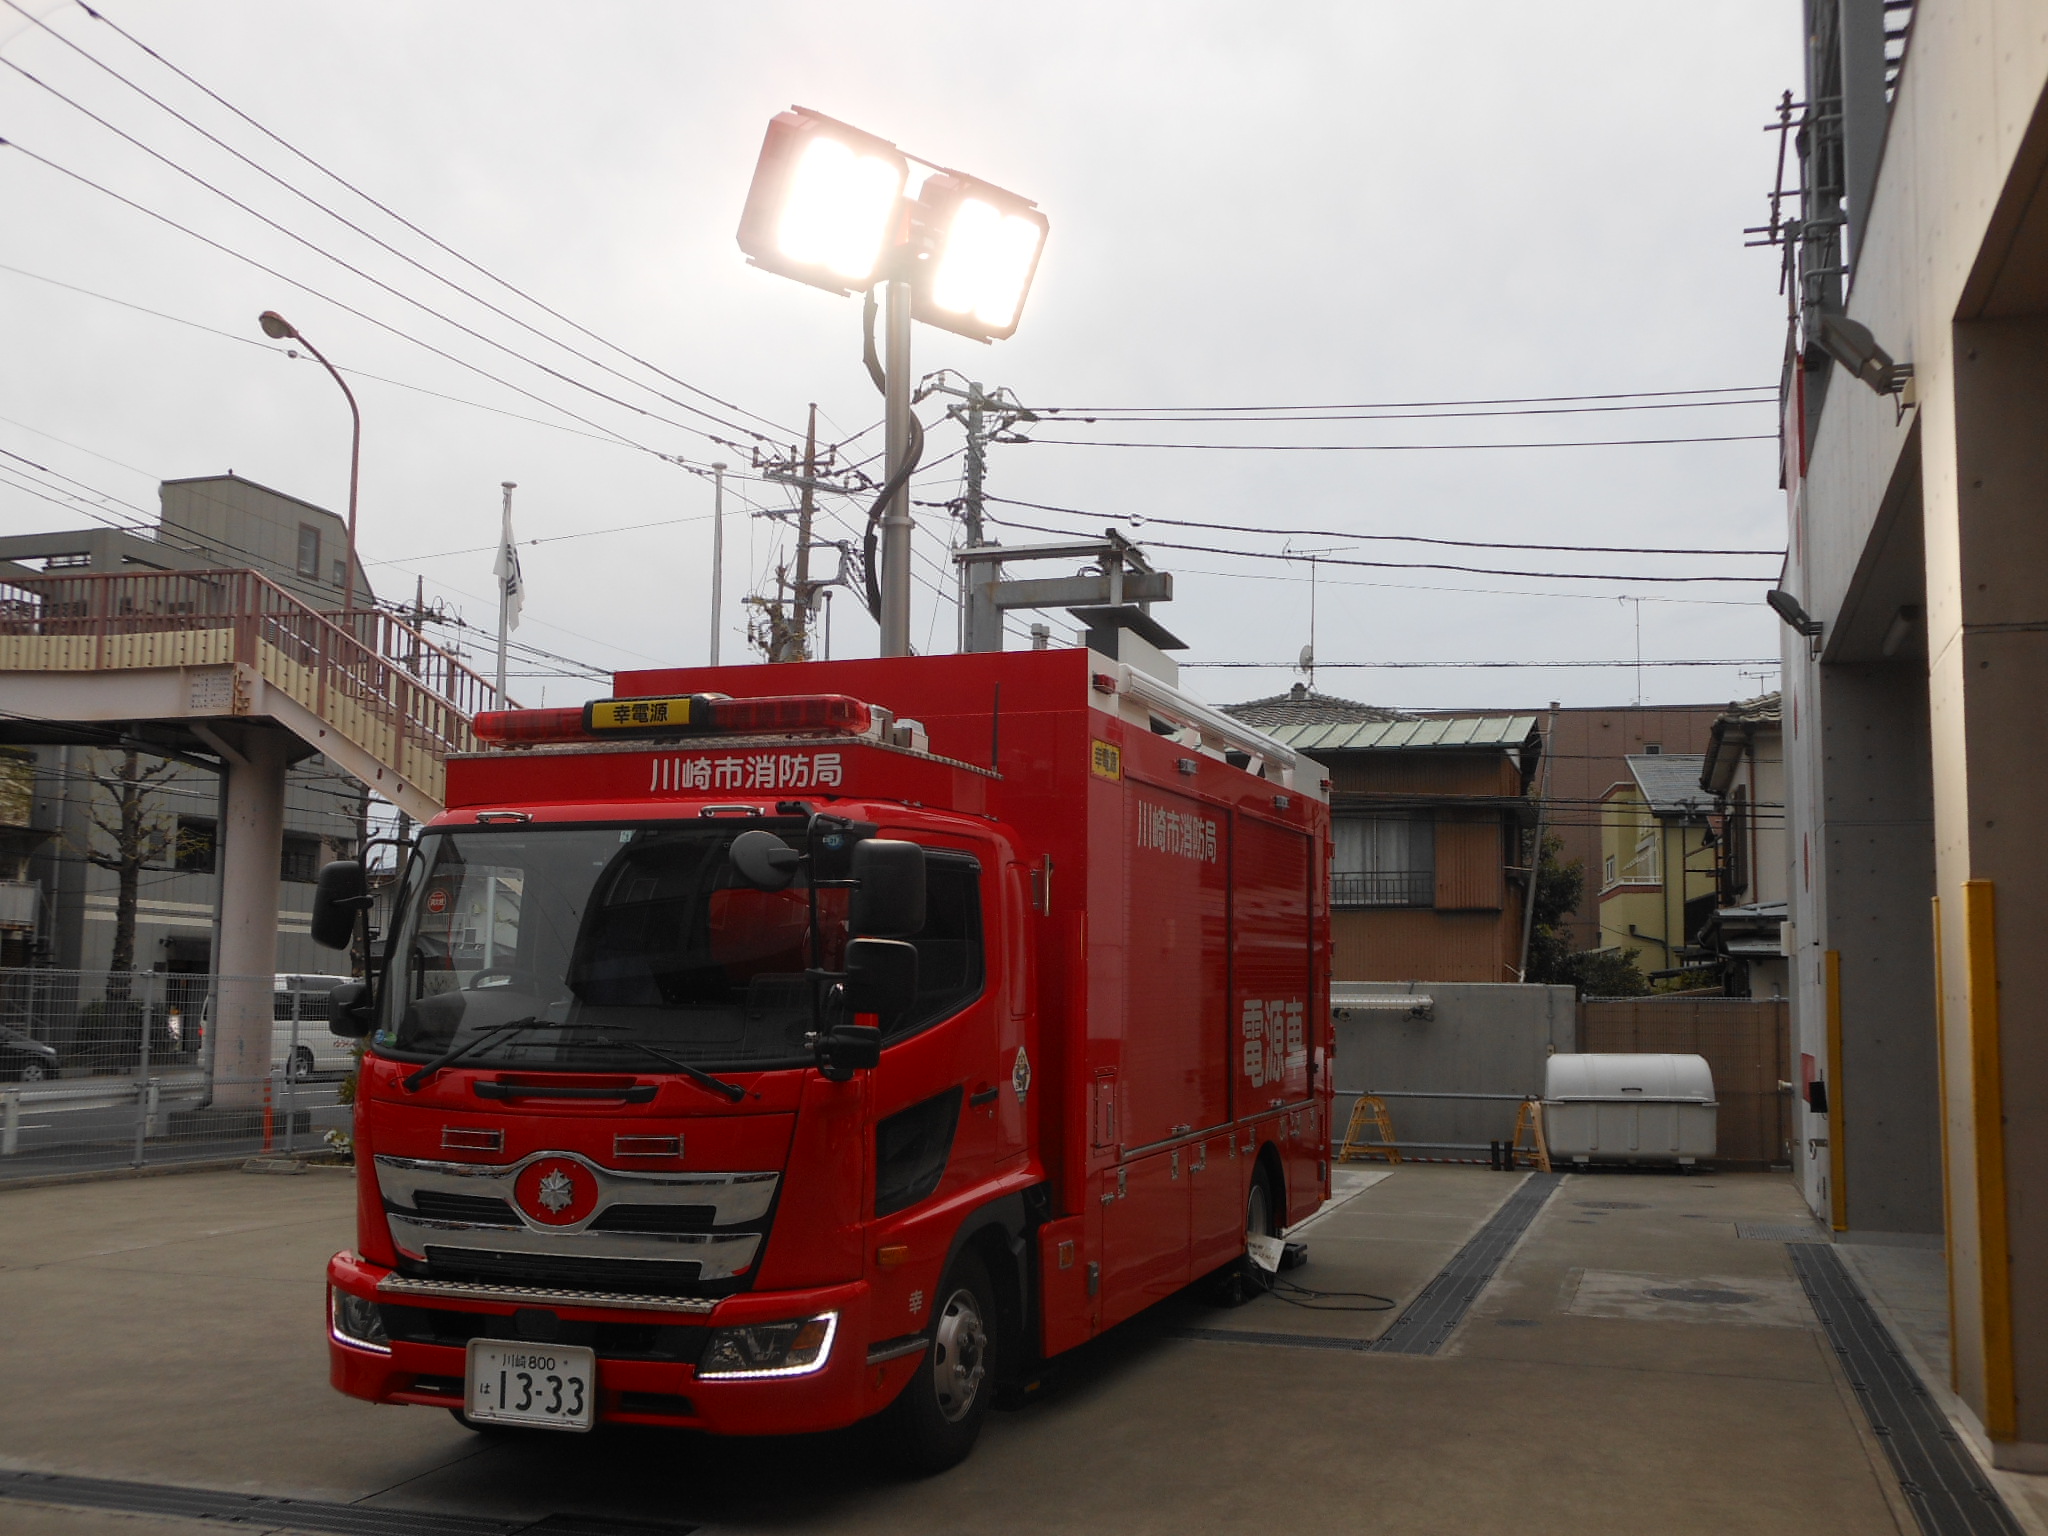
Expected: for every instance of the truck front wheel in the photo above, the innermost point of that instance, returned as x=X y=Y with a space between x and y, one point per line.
x=936 y=1420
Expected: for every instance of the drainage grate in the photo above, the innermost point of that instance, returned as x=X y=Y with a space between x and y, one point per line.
x=259 y=1512
x=1434 y=1315
x=1946 y=1488
x=1782 y=1232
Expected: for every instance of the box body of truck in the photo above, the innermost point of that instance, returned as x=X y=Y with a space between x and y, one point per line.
x=1121 y=1046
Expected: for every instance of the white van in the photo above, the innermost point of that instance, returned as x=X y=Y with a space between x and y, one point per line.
x=315 y=1049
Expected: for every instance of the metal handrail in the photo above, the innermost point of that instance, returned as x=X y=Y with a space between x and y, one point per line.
x=382 y=665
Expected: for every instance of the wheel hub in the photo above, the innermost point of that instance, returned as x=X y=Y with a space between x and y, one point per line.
x=959 y=1355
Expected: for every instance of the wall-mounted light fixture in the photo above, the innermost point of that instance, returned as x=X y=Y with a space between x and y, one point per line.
x=1786 y=607
x=1850 y=343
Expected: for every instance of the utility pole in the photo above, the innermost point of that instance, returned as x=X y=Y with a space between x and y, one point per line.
x=783 y=631
x=717 y=554
x=799 y=642
x=986 y=417
x=508 y=586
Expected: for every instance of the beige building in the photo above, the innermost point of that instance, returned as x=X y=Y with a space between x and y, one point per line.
x=1744 y=770
x=1655 y=882
x=1915 y=600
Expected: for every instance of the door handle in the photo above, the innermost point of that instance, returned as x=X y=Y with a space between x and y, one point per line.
x=982 y=1096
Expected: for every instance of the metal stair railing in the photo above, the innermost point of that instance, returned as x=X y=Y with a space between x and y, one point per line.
x=368 y=675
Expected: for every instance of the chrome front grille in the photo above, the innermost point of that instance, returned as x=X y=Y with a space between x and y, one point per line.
x=687 y=1227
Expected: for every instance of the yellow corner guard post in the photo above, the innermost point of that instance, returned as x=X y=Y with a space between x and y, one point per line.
x=1987 y=1114
x=1948 y=1221
x=1838 y=1135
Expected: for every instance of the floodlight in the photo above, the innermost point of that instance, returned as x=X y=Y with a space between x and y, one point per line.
x=1850 y=343
x=1787 y=607
x=826 y=201
x=984 y=245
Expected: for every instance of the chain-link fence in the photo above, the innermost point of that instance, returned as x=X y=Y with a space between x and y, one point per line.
x=105 y=1069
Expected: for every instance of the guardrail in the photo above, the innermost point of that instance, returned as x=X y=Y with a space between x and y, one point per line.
x=120 y=1073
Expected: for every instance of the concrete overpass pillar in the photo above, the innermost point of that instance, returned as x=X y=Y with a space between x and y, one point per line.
x=251 y=849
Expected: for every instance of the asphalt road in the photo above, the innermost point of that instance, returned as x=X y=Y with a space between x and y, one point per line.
x=169 y=1331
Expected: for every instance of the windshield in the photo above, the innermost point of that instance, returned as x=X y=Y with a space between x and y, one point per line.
x=626 y=937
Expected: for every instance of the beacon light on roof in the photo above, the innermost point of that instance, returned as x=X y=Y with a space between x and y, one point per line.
x=695 y=714
x=984 y=245
x=826 y=201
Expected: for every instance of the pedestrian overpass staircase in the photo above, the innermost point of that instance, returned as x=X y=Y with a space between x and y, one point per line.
x=196 y=648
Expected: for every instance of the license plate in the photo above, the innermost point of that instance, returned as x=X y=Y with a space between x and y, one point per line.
x=544 y=1386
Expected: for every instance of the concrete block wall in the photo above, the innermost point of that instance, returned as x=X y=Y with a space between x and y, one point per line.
x=1479 y=1038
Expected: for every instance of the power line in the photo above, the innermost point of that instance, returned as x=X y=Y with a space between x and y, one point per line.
x=1398 y=538
x=608 y=438
x=345 y=308
x=1405 y=405
x=374 y=281
x=1334 y=413
x=1431 y=666
x=1400 y=565
x=1617 y=442
x=391 y=213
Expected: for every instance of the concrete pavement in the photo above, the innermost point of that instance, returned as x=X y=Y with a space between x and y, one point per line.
x=169 y=1330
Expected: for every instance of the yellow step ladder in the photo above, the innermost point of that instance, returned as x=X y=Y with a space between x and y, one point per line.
x=1529 y=1117
x=1369 y=1113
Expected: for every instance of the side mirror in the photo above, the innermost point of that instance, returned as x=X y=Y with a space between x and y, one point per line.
x=881 y=979
x=888 y=901
x=349 y=1010
x=341 y=892
x=763 y=860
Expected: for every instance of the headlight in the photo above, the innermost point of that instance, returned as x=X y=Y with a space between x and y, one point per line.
x=770 y=1349
x=353 y=1320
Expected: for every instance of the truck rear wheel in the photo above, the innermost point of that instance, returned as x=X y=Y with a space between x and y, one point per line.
x=1240 y=1280
x=934 y=1423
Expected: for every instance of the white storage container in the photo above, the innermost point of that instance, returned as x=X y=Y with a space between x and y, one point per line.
x=1609 y=1107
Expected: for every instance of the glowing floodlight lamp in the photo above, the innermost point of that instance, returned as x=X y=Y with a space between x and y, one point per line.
x=827 y=207
x=984 y=245
x=826 y=202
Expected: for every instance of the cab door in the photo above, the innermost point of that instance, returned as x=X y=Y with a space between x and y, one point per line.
x=935 y=1105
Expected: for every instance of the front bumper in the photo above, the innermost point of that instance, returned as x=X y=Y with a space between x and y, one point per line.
x=645 y=1352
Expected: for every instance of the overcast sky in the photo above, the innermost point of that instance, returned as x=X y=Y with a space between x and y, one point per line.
x=1306 y=204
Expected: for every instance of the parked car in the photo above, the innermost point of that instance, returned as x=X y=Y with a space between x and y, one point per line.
x=26 y=1060
x=315 y=1050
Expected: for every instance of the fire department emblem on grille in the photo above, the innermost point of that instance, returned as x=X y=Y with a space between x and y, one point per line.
x=555 y=1191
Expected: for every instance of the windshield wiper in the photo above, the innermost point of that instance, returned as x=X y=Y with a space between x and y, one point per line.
x=455 y=1053
x=490 y=1032
x=732 y=1091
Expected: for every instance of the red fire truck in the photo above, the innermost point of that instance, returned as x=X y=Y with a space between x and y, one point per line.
x=767 y=1048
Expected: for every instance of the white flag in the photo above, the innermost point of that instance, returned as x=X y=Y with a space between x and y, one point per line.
x=509 y=580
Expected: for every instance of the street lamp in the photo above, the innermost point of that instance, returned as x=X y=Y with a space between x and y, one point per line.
x=827 y=207
x=277 y=328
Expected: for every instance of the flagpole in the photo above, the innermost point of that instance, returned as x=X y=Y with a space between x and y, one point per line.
x=507 y=565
